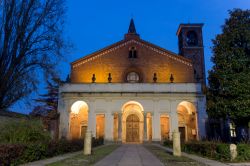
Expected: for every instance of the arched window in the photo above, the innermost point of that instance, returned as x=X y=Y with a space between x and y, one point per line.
x=132 y=53
x=133 y=77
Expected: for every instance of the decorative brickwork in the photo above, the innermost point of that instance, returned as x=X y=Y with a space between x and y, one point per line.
x=115 y=60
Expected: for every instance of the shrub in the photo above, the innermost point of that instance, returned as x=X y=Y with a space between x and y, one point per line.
x=64 y=146
x=204 y=149
x=97 y=141
x=23 y=153
x=10 y=154
x=223 y=152
x=23 y=131
x=213 y=150
x=33 y=152
x=243 y=151
x=168 y=143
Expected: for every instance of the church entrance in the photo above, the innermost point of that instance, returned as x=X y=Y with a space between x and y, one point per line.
x=132 y=125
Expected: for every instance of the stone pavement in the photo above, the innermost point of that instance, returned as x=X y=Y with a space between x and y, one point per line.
x=130 y=155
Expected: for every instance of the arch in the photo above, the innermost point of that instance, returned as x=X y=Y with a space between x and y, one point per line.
x=78 y=119
x=187 y=121
x=132 y=108
x=77 y=105
x=190 y=108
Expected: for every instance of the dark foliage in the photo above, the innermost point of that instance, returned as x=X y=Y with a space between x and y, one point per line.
x=23 y=153
x=212 y=150
x=243 y=152
x=9 y=154
x=229 y=86
x=47 y=108
x=24 y=131
x=168 y=143
x=16 y=154
x=48 y=102
x=97 y=142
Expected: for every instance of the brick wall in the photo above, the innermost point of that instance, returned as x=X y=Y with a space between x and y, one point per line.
x=147 y=63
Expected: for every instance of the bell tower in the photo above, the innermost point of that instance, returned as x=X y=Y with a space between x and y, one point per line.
x=190 y=42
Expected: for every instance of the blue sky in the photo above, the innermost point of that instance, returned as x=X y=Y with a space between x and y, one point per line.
x=94 y=24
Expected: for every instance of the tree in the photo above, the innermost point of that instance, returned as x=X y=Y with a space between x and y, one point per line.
x=47 y=110
x=229 y=79
x=31 y=42
x=48 y=102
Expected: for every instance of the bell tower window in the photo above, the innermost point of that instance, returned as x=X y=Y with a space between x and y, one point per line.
x=191 y=38
x=132 y=53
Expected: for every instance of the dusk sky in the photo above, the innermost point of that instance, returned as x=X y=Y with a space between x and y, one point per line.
x=94 y=24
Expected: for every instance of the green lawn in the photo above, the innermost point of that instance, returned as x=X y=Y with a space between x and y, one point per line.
x=82 y=160
x=170 y=160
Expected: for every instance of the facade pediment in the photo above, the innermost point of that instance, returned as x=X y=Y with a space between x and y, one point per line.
x=123 y=43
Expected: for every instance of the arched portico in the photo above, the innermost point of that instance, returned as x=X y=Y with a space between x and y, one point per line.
x=187 y=121
x=132 y=122
x=78 y=119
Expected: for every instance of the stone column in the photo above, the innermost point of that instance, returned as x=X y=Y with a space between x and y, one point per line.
x=233 y=151
x=119 y=127
x=156 y=123
x=174 y=116
x=176 y=143
x=109 y=124
x=92 y=118
x=145 y=127
x=156 y=127
x=87 y=143
x=64 y=130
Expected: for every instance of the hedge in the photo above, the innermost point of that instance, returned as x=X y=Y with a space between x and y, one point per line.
x=9 y=154
x=243 y=152
x=15 y=154
x=214 y=150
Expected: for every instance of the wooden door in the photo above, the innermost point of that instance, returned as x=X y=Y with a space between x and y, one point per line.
x=183 y=134
x=132 y=128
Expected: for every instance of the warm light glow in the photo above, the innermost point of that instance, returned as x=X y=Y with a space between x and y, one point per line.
x=77 y=106
x=189 y=107
x=136 y=109
x=187 y=121
x=164 y=120
x=132 y=103
x=100 y=125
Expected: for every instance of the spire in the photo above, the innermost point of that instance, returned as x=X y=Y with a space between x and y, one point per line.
x=131 y=31
x=131 y=28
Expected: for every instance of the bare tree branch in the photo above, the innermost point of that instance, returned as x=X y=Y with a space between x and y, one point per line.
x=30 y=39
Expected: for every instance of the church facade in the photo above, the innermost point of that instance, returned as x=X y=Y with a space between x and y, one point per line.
x=135 y=91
